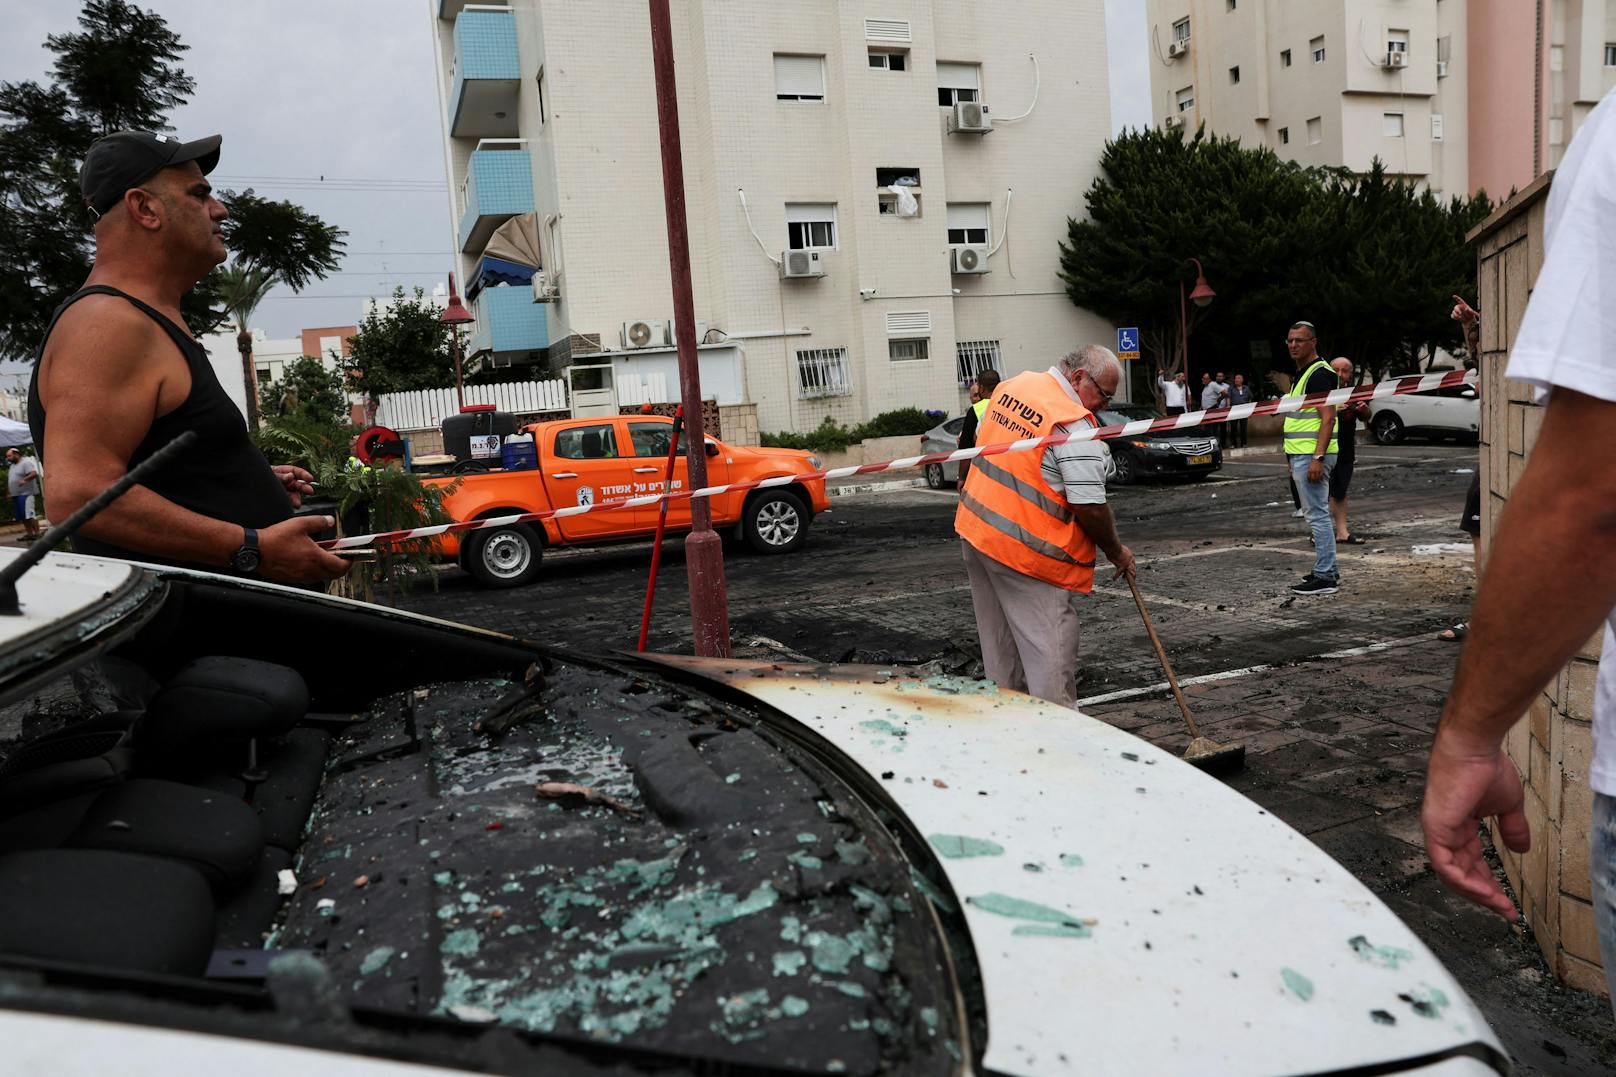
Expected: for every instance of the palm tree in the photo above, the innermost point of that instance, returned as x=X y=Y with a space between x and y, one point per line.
x=241 y=289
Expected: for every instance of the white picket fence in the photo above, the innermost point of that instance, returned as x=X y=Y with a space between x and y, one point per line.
x=634 y=390
x=425 y=409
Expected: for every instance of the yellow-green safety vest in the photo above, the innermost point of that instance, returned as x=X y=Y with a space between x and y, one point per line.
x=979 y=407
x=1302 y=427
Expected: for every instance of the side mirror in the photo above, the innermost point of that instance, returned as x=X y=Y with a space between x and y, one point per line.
x=1469 y=394
x=712 y=449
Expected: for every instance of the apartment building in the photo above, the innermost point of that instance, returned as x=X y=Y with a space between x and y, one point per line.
x=875 y=190
x=1321 y=82
x=1462 y=95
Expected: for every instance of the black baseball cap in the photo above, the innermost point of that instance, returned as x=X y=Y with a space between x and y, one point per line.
x=126 y=159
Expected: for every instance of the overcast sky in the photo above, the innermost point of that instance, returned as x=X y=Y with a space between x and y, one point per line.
x=343 y=89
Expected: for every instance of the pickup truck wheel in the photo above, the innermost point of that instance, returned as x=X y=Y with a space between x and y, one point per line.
x=775 y=522
x=504 y=556
x=1387 y=428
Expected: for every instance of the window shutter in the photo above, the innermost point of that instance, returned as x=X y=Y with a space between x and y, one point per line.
x=805 y=212
x=802 y=76
x=968 y=215
x=908 y=323
x=958 y=76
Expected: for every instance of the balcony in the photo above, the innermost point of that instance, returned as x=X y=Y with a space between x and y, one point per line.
x=498 y=185
x=509 y=324
x=486 y=73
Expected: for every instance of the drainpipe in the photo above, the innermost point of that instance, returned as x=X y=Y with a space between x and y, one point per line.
x=704 y=552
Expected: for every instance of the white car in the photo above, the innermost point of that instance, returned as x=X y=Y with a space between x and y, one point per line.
x=254 y=830
x=1454 y=412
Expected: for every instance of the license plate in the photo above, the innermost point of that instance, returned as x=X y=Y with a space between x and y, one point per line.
x=1207 y=459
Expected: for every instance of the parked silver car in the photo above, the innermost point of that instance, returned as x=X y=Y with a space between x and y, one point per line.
x=944 y=437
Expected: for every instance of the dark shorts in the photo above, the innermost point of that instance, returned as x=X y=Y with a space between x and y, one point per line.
x=1470 y=522
x=1341 y=477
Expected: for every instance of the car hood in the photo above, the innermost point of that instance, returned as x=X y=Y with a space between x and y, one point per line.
x=1112 y=889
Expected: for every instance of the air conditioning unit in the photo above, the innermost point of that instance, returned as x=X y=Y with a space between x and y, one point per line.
x=970 y=118
x=1442 y=69
x=1178 y=48
x=643 y=334
x=673 y=333
x=1173 y=121
x=544 y=289
x=968 y=259
x=1396 y=58
x=797 y=264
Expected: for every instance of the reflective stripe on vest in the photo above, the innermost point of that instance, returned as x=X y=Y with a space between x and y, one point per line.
x=1302 y=427
x=1008 y=511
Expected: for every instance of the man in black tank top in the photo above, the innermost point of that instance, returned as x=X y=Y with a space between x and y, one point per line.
x=118 y=376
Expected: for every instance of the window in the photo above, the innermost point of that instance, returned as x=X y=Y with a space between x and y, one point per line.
x=263 y=375
x=823 y=372
x=969 y=224
x=901 y=177
x=904 y=351
x=538 y=82
x=586 y=443
x=889 y=61
x=1181 y=30
x=1316 y=46
x=1284 y=57
x=1284 y=136
x=1233 y=4
x=958 y=82
x=974 y=356
x=1556 y=57
x=1397 y=41
x=799 y=78
x=1391 y=124
x=1436 y=127
x=1234 y=76
x=1186 y=99
x=1315 y=130
x=1610 y=55
x=651 y=439
x=810 y=226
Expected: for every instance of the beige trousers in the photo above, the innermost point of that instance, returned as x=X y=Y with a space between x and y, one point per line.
x=1028 y=629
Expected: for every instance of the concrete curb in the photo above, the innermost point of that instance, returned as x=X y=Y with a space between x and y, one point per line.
x=873 y=487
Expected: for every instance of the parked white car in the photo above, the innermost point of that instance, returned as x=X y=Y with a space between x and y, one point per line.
x=1454 y=412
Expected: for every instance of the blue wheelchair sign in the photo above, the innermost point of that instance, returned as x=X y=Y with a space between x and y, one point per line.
x=1128 y=343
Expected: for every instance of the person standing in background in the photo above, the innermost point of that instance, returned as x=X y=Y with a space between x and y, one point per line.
x=1175 y=393
x=1346 y=435
x=22 y=483
x=981 y=395
x=1239 y=393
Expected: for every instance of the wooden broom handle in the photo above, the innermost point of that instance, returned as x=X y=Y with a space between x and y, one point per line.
x=1166 y=666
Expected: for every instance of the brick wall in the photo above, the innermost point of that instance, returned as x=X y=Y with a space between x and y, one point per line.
x=1553 y=747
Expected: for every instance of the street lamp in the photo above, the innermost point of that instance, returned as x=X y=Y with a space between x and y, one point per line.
x=1202 y=294
x=454 y=316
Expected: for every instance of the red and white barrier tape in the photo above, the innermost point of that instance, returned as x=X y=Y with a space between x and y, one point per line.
x=1418 y=383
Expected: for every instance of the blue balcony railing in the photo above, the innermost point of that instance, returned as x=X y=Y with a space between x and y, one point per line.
x=498 y=185
x=486 y=74
x=509 y=321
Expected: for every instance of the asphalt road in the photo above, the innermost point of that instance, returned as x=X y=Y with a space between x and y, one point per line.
x=880 y=578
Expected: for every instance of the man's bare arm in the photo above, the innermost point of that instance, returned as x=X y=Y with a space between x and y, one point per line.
x=1098 y=523
x=1551 y=575
x=102 y=391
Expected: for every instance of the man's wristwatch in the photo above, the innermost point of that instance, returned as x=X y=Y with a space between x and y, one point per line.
x=246 y=558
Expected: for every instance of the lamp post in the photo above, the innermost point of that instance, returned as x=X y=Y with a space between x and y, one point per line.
x=454 y=316
x=1200 y=295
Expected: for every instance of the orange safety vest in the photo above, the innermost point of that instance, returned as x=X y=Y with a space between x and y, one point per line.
x=1008 y=510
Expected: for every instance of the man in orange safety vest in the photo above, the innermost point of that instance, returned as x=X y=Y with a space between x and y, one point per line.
x=1031 y=521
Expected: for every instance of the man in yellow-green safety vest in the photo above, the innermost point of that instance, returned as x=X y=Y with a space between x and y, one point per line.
x=1310 y=450
x=981 y=395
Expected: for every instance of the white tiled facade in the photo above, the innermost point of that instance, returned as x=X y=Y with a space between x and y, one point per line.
x=1316 y=80
x=598 y=183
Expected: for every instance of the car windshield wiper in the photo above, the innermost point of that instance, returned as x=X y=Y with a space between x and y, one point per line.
x=53 y=538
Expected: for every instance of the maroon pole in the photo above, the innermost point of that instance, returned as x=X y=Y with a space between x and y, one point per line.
x=704 y=552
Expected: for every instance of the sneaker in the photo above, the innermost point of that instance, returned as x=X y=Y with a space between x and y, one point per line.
x=1316 y=585
x=1299 y=514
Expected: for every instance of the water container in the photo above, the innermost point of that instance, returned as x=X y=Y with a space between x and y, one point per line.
x=519 y=455
x=476 y=421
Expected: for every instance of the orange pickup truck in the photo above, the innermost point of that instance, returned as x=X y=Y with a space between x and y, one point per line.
x=584 y=461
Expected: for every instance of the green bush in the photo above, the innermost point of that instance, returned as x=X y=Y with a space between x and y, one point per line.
x=831 y=436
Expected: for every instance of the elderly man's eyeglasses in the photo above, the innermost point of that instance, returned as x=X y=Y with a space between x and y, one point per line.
x=1105 y=397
